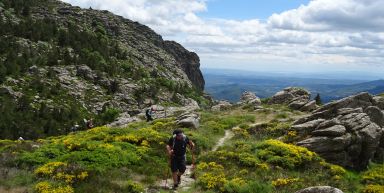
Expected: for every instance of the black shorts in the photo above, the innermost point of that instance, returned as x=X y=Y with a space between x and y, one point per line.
x=178 y=164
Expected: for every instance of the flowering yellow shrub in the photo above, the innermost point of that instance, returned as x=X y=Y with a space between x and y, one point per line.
x=292 y=133
x=337 y=170
x=238 y=181
x=284 y=181
x=130 y=138
x=374 y=189
x=107 y=146
x=72 y=143
x=50 y=168
x=211 y=180
x=211 y=175
x=60 y=171
x=98 y=129
x=286 y=155
x=68 y=178
x=240 y=132
x=46 y=187
x=145 y=143
x=374 y=175
x=134 y=187
x=262 y=166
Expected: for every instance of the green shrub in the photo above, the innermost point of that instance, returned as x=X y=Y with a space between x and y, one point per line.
x=109 y=115
x=256 y=187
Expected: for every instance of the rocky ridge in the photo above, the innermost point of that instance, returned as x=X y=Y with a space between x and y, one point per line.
x=347 y=132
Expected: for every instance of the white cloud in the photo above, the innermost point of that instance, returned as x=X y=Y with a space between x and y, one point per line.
x=330 y=15
x=345 y=33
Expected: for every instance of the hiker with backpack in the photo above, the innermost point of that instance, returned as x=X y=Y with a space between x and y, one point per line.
x=149 y=113
x=88 y=123
x=177 y=148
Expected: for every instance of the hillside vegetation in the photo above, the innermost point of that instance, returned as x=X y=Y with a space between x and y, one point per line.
x=132 y=159
x=60 y=64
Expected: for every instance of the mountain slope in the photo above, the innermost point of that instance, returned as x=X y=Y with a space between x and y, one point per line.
x=60 y=64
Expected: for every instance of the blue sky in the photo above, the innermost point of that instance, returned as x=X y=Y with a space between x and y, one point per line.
x=248 y=9
x=266 y=35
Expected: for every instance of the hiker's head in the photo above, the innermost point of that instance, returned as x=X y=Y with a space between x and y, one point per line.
x=178 y=133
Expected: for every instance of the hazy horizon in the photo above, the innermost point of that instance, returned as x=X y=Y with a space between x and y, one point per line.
x=345 y=75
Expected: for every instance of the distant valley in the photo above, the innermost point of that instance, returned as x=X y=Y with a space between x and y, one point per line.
x=229 y=84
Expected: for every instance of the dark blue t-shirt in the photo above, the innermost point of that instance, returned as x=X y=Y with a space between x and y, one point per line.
x=180 y=147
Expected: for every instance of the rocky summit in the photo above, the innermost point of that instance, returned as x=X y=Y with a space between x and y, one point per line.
x=295 y=98
x=75 y=63
x=347 y=132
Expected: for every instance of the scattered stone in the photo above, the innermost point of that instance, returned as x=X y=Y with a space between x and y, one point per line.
x=221 y=106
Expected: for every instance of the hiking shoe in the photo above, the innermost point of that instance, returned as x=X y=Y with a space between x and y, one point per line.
x=178 y=180
x=175 y=186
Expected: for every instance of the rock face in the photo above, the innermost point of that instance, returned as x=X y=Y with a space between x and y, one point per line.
x=295 y=98
x=347 y=132
x=188 y=61
x=249 y=98
x=320 y=189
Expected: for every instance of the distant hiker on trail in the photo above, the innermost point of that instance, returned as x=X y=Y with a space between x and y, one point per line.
x=75 y=128
x=149 y=113
x=177 y=148
x=89 y=123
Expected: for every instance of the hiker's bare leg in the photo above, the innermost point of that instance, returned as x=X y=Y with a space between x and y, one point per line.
x=174 y=176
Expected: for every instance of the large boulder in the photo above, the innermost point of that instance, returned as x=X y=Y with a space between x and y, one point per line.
x=347 y=132
x=250 y=98
x=191 y=120
x=295 y=98
x=320 y=189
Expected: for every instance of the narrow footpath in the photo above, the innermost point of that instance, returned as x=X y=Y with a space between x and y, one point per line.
x=187 y=179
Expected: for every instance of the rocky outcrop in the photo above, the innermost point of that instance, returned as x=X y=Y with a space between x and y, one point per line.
x=347 y=132
x=320 y=189
x=249 y=98
x=295 y=98
x=221 y=106
x=188 y=61
x=379 y=102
